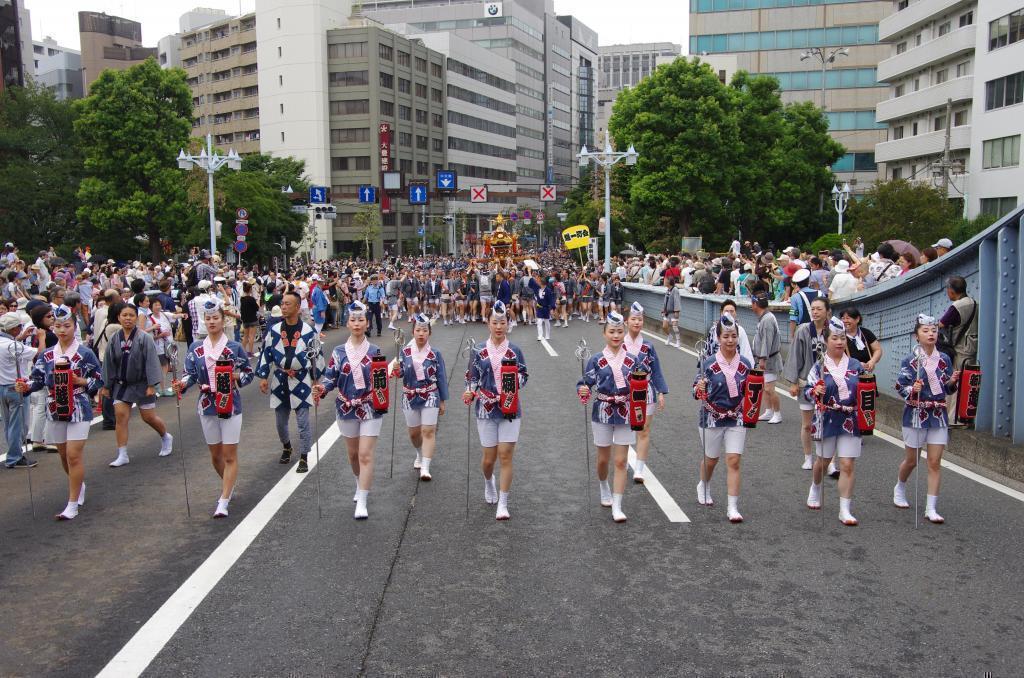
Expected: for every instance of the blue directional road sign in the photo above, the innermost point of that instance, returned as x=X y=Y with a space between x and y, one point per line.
x=418 y=194
x=368 y=194
x=317 y=195
x=420 y=231
x=447 y=181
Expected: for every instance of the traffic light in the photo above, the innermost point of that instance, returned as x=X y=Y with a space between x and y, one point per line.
x=325 y=212
x=448 y=219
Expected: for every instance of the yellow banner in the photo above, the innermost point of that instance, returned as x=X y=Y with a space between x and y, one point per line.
x=575 y=237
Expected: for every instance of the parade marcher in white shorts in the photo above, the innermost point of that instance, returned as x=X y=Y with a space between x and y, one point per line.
x=424 y=392
x=657 y=387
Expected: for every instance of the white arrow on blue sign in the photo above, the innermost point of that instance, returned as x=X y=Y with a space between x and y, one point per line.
x=420 y=231
x=317 y=195
x=417 y=194
x=447 y=180
x=367 y=194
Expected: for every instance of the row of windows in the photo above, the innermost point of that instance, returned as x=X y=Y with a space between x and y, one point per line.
x=349 y=78
x=530 y=112
x=480 y=100
x=999 y=207
x=1006 y=30
x=729 y=5
x=498 y=43
x=456 y=118
x=529 y=133
x=480 y=76
x=789 y=39
x=1003 y=152
x=455 y=24
x=856 y=162
x=359 y=162
x=848 y=120
x=531 y=72
x=483 y=172
x=350 y=135
x=838 y=78
x=351 y=107
x=1005 y=91
x=457 y=144
x=347 y=50
x=530 y=153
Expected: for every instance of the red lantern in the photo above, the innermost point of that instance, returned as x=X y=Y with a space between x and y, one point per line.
x=509 y=388
x=223 y=397
x=63 y=390
x=638 y=400
x=753 y=389
x=867 y=389
x=380 y=396
x=968 y=393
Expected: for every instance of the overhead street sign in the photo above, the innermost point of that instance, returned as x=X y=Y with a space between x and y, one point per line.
x=447 y=181
x=317 y=195
x=418 y=194
x=548 y=193
x=478 y=194
x=367 y=194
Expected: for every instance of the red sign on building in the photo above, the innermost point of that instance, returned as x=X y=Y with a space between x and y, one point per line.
x=386 y=165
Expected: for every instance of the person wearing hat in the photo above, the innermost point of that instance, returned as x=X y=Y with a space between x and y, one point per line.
x=198 y=302
x=657 y=387
x=285 y=353
x=843 y=284
x=806 y=349
x=348 y=371
x=800 y=300
x=424 y=391
x=606 y=378
x=68 y=436
x=767 y=351
x=943 y=246
x=498 y=434
x=15 y=365
x=719 y=387
x=205 y=270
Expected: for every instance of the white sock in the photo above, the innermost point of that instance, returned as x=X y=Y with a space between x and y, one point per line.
x=502 y=498
x=932 y=500
x=844 y=506
x=362 y=495
x=122 y=451
x=733 y=502
x=808 y=458
x=70 y=511
x=222 y=506
x=425 y=465
x=81 y=496
x=901 y=485
x=640 y=463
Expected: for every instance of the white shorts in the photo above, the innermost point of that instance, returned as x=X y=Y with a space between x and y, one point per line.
x=147 y=406
x=847 y=446
x=604 y=304
x=732 y=438
x=424 y=416
x=651 y=409
x=221 y=431
x=804 y=405
x=494 y=431
x=769 y=377
x=613 y=434
x=916 y=438
x=59 y=432
x=358 y=428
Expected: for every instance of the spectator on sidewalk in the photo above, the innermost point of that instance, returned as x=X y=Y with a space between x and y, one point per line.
x=943 y=246
x=960 y=322
x=843 y=284
x=883 y=265
x=13 y=404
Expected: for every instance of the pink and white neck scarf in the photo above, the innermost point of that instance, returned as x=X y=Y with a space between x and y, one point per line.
x=615 y=361
x=418 y=357
x=355 y=354
x=72 y=349
x=729 y=369
x=633 y=346
x=211 y=352
x=838 y=372
x=931 y=368
x=495 y=354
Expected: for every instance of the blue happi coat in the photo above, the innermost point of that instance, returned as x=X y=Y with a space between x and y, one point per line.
x=352 y=402
x=429 y=392
x=195 y=373
x=611 y=404
x=647 y=360
x=721 y=410
x=933 y=414
x=840 y=414
x=293 y=387
x=480 y=380
x=83 y=364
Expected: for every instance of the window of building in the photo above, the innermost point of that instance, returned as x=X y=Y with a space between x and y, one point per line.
x=421 y=142
x=349 y=78
x=421 y=65
x=282 y=137
x=436 y=120
x=1006 y=30
x=388 y=219
x=387 y=109
x=422 y=167
x=421 y=90
x=280 y=81
x=403 y=59
x=347 y=50
x=350 y=135
x=917 y=84
x=998 y=207
x=939 y=123
x=963 y=68
x=387 y=81
x=1002 y=152
x=897 y=173
x=899 y=91
x=404 y=86
x=405 y=166
x=484 y=77
x=902 y=5
x=967 y=19
x=488 y=102
x=437 y=146
x=941 y=76
x=407 y=218
x=960 y=118
x=351 y=107
x=282 y=109
x=913 y=130
x=405 y=139
x=353 y=163
x=1005 y=91
x=897 y=132
x=278 y=52
x=436 y=95
x=945 y=27
x=489 y=150
x=901 y=47
x=436 y=71
x=472 y=122
x=421 y=117
x=279 y=22
x=404 y=113
x=386 y=53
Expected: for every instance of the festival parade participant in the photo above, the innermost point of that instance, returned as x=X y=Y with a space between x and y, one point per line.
x=804 y=351
x=71 y=376
x=657 y=387
x=925 y=378
x=832 y=386
x=358 y=412
x=607 y=377
x=220 y=367
x=131 y=375
x=495 y=377
x=424 y=392
x=719 y=387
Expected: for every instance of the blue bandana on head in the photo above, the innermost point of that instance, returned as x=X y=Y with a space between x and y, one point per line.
x=636 y=309
x=615 y=320
x=499 y=310
x=211 y=307
x=357 y=309
x=62 y=314
x=422 y=320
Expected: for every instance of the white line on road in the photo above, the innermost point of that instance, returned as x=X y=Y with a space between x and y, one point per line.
x=147 y=642
x=892 y=440
x=548 y=347
x=658 y=492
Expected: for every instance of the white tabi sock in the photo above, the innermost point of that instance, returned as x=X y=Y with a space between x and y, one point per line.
x=606 y=493
x=930 y=505
x=733 y=504
x=640 y=463
x=122 y=457
x=425 y=465
x=355 y=497
x=617 y=514
x=81 y=496
x=69 y=512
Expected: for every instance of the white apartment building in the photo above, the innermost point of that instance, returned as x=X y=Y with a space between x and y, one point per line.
x=58 y=68
x=956 y=78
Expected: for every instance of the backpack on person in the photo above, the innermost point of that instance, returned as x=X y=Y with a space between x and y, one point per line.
x=949 y=337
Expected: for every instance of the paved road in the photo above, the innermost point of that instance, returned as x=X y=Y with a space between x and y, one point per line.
x=423 y=588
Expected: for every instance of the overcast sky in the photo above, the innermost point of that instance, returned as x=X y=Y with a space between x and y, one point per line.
x=647 y=20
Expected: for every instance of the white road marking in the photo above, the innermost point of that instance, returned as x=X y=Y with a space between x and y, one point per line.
x=658 y=492
x=548 y=348
x=892 y=440
x=147 y=642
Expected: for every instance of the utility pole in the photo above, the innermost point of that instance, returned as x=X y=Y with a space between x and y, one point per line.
x=945 y=151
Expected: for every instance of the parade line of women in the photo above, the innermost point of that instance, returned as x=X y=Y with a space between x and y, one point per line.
x=495 y=376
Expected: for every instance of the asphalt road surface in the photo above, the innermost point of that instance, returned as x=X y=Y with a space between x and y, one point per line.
x=427 y=587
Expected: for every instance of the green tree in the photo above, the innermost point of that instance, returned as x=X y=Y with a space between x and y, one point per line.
x=270 y=214
x=131 y=128
x=40 y=169
x=915 y=212
x=368 y=225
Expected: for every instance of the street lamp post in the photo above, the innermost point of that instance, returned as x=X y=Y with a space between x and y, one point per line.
x=839 y=200
x=606 y=159
x=826 y=57
x=210 y=162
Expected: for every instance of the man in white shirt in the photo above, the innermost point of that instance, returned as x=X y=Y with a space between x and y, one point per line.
x=198 y=326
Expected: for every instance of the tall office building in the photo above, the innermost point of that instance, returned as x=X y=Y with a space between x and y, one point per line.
x=109 y=42
x=622 y=66
x=57 y=68
x=956 y=77
x=220 y=60
x=787 y=39
x=584 y=83
x=15 y=44
x=169 y=47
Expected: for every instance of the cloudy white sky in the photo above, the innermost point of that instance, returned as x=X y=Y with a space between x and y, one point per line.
x=647 y=20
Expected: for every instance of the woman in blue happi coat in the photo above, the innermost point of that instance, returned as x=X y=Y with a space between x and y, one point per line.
x=832 y=386
x=719 y=386
x=424 y=391
x=657 y=387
